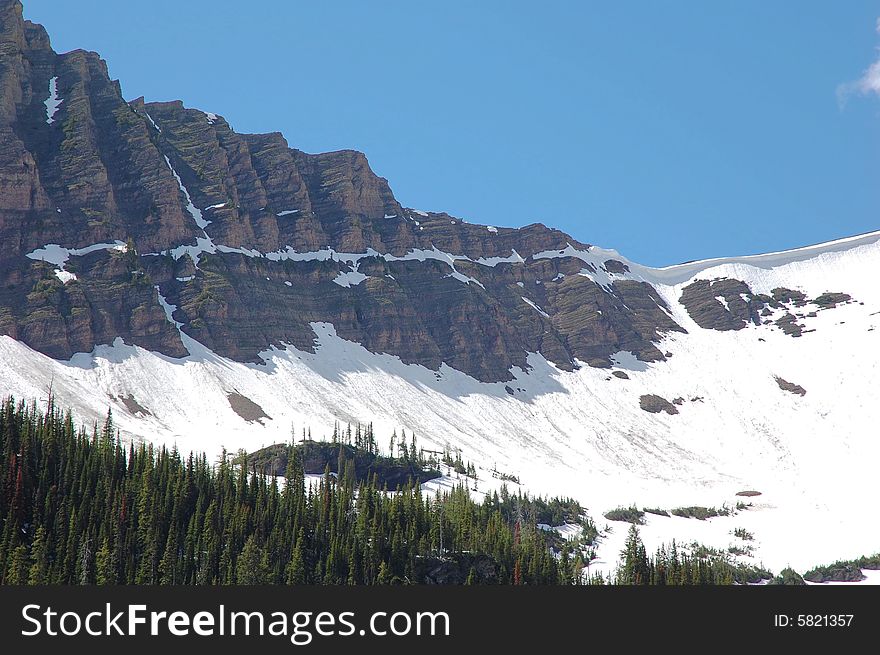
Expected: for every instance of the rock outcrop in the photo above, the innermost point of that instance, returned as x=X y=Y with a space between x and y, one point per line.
x=249 y=241
x=655 y=404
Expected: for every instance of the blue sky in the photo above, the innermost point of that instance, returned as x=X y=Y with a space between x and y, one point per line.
x=670 y=131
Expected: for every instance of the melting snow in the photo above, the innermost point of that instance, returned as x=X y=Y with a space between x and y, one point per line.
x=494 y=230
x=626 y=359
x=567 y=531
x=194 y=211
x=535 y=307
x=53 y=102
x=287 y=212
x=203 y=245
x=349 y=279
x=461 y=277
x=64 y=276
x=594 y=257
x=169 y=309
x=55 y=254
x=571 y=433
x=152 y=122
x=513 y=258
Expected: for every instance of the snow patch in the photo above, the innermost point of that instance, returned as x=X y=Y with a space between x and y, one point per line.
x=535 y=307
x=569 y=433
x=194 y=211
x=627 y=360
x=169 y=309
x=513 y=258
x=349 y=279
x=64 y=276
x=53 y=102
x=55 y=254
x=152 y=122
x=461 y=277
x=567 y=531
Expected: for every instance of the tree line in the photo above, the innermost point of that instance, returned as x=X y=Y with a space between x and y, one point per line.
x=81 y=507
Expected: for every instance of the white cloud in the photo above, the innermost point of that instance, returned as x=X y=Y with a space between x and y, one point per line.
x=867 y=84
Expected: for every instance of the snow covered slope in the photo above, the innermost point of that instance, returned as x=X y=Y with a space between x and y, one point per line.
x=814 y=457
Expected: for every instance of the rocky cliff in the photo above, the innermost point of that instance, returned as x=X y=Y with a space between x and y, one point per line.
x=111 y=211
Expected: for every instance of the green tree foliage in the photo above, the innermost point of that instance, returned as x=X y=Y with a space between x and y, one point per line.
x=670 y=565
x=81 y=507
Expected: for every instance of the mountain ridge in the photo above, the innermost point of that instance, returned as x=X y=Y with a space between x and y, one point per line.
x=155 y=262
x=199 y=203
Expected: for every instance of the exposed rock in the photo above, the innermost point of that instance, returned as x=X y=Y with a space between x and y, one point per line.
x=105 y=170
x=620 y=374
x=615 y=266
x=838 y=572
x=829 y=300
x=788 y=324
x=133 y=406
x=722 y=304
x=108 y=299
x=656 y=404
x=788 y=576
x=748 y=493
x=316 y=457
x=246 y=408
x=790 y=387
x=455 y=570
x=783 y=296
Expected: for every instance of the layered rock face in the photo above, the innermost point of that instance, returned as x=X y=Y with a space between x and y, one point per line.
x=115 y=214
x=729 y=304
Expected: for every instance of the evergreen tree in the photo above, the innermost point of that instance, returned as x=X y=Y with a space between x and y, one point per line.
x=251 y=566
x=635 y=570
x=39 y=571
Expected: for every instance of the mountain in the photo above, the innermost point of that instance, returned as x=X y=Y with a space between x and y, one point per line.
x=217 y=289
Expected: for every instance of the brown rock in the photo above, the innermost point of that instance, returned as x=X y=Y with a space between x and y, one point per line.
x=655 y=404
x=790 y=387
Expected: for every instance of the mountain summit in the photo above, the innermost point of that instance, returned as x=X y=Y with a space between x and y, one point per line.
x=253 y=240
